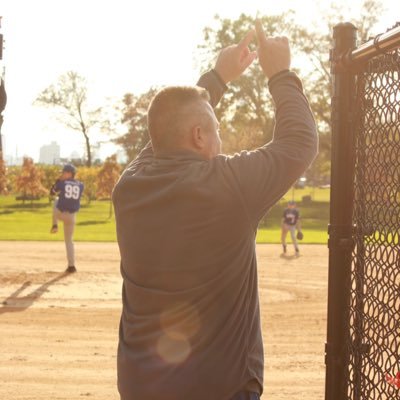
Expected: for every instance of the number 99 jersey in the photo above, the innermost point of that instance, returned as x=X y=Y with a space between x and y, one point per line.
x=69 y=194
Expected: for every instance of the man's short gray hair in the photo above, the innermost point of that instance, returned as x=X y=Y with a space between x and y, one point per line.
x=166 y=111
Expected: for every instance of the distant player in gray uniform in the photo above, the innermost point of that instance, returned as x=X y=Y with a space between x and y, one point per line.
x=290 y=222
x=69 y=191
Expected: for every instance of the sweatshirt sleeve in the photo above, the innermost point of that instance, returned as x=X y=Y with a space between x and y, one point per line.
x=213 y=83
x=266 y=174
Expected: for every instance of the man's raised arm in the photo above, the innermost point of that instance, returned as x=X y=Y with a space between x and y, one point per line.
x=265 y=175
x=232 y=61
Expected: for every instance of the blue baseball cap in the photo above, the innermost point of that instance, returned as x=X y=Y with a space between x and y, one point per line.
x=69 y=168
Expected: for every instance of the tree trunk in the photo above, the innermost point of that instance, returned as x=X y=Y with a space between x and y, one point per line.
x=110 y=210
x=88 y=150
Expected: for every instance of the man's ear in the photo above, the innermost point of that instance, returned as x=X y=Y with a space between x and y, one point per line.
x=198 y=138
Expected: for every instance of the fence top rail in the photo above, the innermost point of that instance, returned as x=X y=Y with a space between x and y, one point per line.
x=383 y=42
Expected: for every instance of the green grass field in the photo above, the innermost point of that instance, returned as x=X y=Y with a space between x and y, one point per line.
x=32 y=222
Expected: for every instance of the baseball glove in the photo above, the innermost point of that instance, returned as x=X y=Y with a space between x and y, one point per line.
x=299 y=235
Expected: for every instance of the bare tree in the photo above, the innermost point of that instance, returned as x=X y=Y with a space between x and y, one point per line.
x=69 y=96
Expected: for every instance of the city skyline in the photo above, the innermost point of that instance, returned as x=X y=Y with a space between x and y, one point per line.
x=15 y=157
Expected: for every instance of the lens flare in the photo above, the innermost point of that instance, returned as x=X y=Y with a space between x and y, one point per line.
x=179 y=323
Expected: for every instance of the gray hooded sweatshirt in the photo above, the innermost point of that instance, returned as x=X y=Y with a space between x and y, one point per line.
x=190 y=325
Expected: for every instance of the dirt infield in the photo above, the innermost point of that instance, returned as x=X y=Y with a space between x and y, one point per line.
x=59 y=332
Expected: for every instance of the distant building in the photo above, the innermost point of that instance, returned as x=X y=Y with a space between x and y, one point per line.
x=75 y=155
x=12 y=160
x=76 y=158
x=50 y=154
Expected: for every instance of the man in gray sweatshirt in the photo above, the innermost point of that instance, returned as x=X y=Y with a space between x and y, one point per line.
x=186 y=223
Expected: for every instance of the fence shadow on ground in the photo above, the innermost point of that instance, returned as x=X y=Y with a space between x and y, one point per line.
x=15 y=303
x=28 y=206
x=289 y=256
x=85 y=223
x=6 y=212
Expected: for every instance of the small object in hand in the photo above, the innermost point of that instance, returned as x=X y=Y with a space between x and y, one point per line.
x=299 y=235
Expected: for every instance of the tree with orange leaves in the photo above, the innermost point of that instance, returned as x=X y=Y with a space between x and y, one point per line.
x=107 y=178
x=29 y=182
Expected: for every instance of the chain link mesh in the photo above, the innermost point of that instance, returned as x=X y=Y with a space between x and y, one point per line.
x=374 y=331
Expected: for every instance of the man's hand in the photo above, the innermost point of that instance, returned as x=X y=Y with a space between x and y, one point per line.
x=273 y=53
x=233 y=60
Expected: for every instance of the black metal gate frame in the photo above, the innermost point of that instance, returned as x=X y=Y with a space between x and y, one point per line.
x=346 y=60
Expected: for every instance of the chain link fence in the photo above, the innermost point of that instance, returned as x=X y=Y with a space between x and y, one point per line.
x=374 y=341
x=363 y=346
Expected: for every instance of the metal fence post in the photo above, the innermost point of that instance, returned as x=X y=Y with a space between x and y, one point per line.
x=341 y=205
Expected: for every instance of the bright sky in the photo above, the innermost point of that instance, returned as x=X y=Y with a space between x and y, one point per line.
x=119 y=46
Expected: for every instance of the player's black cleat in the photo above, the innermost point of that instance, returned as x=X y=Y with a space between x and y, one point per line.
x=284 y=249
x=71 y=269
x=54 y=229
